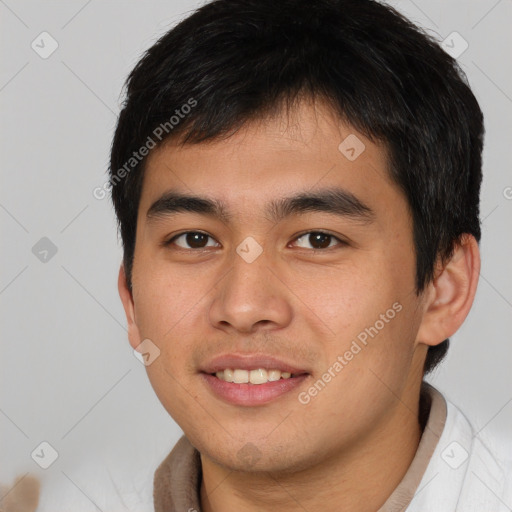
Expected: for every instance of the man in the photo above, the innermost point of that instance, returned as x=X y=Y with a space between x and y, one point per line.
x=297 y=190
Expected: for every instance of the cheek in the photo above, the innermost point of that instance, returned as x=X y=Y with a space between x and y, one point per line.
x=166 y=312
x=337 y=294
x=349 y=299
x=368 y=308
x=164 y=300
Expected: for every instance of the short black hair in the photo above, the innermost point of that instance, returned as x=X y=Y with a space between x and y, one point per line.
x=233 y=61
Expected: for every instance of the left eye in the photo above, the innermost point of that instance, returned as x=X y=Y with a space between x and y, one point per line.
x=318 y=239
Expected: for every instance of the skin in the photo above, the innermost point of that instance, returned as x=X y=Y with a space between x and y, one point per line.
x=353 y=442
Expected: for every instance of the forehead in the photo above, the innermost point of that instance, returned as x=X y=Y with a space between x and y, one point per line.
x=307 y=149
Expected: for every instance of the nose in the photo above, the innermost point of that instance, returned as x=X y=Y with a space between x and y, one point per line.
x=251 y=297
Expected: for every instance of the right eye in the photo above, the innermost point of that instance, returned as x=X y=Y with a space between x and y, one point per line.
x=194 y=239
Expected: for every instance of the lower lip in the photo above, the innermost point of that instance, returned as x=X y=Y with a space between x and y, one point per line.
x=251 y=394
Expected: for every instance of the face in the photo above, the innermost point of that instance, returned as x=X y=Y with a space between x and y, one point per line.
x=320 y=287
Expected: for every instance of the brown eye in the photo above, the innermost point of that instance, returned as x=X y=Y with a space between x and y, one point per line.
x=317 y=240
x=191 y=240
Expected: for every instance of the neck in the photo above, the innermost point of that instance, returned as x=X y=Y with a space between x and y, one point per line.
x=359 y=479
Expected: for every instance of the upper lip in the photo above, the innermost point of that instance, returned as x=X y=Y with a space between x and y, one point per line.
x=250 y=362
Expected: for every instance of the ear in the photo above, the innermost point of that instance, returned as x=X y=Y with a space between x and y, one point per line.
x=129 y=309
x=449 y=297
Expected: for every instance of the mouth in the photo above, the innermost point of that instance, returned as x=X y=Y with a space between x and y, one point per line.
x=251 y=381
x=255 y=377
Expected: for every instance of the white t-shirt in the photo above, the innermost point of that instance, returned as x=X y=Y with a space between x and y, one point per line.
x=467 y=471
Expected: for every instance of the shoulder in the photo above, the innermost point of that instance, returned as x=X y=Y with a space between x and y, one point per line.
x=488 y=474
x=469 y=470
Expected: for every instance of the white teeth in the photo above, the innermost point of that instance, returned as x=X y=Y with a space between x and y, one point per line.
x=240 y=376
x=259 y=376
x=274 y=375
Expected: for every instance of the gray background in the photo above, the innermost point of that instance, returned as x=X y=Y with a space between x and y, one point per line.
x=68 y=374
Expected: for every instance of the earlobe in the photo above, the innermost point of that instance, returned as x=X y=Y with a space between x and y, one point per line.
x=129 y=308
x=450 y=295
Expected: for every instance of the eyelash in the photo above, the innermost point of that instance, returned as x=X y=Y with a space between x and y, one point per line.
x=341 y=243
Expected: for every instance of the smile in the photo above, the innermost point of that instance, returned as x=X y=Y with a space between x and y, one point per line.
x=258 y=376
x=252 y=388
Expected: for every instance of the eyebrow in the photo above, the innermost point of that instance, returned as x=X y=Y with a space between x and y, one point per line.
x=336 y=201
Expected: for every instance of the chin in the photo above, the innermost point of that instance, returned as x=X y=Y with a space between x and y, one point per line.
x=258 y=455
